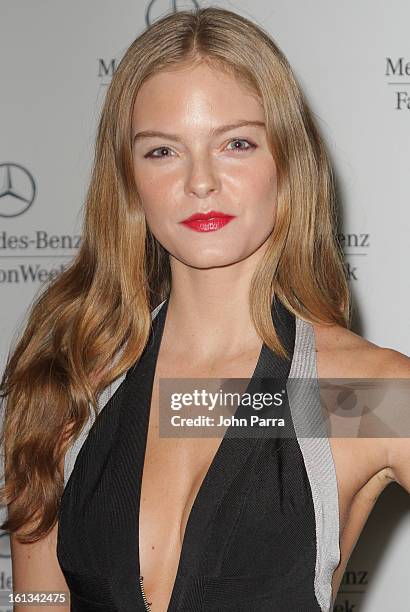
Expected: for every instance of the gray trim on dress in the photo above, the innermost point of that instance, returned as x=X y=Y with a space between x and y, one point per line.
x=308 y=417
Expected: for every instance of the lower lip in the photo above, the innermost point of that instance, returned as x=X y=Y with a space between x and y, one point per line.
x=207 y=225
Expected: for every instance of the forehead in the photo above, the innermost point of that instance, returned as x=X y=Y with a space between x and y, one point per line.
x=193 y=97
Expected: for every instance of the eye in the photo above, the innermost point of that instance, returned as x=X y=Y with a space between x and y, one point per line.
x=251 y=145
x=151 y=153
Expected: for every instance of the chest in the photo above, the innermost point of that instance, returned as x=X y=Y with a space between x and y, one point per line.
x=266 y=510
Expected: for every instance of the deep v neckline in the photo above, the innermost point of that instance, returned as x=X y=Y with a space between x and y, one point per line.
x=200 y=498
x=225 y=465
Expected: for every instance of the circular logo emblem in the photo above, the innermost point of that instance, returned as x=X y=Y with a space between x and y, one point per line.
x=160 y=7
x=17 y=190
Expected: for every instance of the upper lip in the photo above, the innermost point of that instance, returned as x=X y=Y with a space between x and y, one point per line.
x=208 y=215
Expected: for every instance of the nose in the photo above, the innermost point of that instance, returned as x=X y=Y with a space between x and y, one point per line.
x=202 y=179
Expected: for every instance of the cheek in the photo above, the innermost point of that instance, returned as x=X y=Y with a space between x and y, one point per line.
x=153 y=196
x=149 y=186
x=159 y=211
x=265 y=198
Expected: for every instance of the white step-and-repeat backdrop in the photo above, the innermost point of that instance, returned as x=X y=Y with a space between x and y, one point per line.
x=353 y=61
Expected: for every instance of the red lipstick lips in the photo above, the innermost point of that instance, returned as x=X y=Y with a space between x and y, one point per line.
x=207 y=222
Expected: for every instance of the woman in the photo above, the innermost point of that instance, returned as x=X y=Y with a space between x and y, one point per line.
x=203 y=117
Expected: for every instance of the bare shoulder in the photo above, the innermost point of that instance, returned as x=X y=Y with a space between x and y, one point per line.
x=341 y=353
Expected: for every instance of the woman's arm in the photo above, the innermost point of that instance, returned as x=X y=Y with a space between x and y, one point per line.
x=35 y=567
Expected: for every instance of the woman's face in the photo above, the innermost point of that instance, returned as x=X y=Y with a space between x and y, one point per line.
x=195 y=164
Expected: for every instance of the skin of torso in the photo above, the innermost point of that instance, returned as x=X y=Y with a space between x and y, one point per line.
x=174 y=468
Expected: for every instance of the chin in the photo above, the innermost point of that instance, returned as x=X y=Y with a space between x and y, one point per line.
x=204 y=259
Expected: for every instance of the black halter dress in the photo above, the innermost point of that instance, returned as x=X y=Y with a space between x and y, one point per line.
x=249 y=544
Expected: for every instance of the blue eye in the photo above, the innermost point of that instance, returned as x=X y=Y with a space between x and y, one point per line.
x=251 y=146
x=150 y=154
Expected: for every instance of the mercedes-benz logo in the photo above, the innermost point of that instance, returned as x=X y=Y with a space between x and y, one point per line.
x=172 y=3
x=17 y=190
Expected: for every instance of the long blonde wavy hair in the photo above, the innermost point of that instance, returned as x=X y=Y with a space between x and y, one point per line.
x=100 y=306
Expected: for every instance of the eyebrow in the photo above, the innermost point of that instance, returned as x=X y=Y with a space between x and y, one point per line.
x=213 y=132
